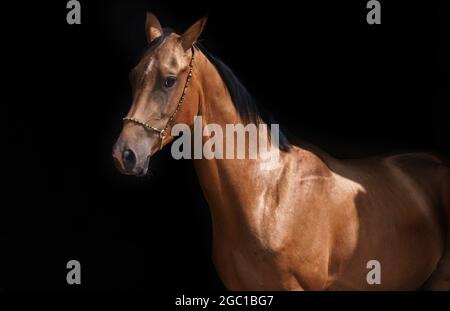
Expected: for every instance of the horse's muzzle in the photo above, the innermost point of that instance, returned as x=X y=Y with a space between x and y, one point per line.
x=126 y=160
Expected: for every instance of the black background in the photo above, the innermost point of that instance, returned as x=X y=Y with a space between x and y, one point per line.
x=351 y=88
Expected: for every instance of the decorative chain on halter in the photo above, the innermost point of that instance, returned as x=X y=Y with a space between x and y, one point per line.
x=163 y=132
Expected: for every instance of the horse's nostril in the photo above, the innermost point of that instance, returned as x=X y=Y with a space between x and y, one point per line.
x=129 y=159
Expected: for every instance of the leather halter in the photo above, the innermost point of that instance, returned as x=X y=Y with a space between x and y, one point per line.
x=163 y=132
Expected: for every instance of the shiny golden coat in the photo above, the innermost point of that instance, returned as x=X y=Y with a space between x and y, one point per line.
x=309 y=222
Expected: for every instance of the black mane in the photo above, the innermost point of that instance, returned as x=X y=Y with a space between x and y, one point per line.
x=243 y=101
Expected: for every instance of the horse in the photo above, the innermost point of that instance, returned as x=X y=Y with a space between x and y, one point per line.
x=309 y=221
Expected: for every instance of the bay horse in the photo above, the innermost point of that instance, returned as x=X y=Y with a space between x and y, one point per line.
x=309 y=222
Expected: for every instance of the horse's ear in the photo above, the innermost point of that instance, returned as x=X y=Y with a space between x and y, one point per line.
x=153 y=28
x=191 y=35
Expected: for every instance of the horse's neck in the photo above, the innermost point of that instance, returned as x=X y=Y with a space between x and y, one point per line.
x=215 y=101
x=232 y=188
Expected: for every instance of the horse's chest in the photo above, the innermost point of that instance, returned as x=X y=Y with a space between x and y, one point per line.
x=243 y=270
x=249 y=267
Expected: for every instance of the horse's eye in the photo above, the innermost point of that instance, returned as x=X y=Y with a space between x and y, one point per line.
x=169 y=82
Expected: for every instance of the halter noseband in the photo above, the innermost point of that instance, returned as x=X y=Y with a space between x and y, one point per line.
x=163 y=132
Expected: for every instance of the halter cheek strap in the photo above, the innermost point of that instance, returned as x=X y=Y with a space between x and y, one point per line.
x=163 y=132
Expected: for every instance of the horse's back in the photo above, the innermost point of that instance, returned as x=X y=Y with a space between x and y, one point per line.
x=421 y=173
x=420 y=164
x=402 y=214
x=430 y=173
